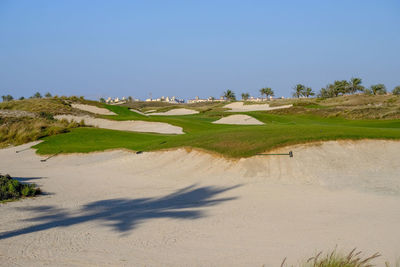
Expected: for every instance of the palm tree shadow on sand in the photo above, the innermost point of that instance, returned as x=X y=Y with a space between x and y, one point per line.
x=124 y=215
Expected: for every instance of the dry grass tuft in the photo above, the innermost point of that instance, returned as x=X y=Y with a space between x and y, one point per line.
x=17 y=131
x=335 y=259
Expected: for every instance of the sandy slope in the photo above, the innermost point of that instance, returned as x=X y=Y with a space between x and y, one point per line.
x=238 y=119
x=134 y=126
x=139 y=112
x=177 y=111
x=240 y=107
x=93 y=109
x=185 y=208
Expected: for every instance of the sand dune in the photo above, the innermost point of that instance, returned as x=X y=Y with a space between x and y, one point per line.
x=133 y=126
x=93 y=109
x=239 y=119
x=183 y=208
x=240 y=107
x=174 y=112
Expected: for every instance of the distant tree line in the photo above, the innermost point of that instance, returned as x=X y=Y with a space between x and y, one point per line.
x=337 y=88
x=38 y=95
x=353 y=86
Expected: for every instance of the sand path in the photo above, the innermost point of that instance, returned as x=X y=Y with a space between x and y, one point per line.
x=133 y=126
x=183 y=208
x=240 y=107
x=93 y=109
x=238 y=119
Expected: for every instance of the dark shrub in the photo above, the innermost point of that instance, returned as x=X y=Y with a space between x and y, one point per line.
x=13 y=189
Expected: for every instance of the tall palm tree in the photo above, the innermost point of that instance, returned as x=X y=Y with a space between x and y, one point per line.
x=355 y=85
x=245 y=96
x=299 y=90
x=267 y=91
x=229 y=95
x=263 y=91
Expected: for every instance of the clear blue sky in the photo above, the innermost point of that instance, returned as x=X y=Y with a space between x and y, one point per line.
x=189 y=48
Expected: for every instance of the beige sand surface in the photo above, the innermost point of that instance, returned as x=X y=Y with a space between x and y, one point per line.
x=139 y=112
x=133 y=126
x=181 y=208
x=239 y=119
x=93 y=109
x=240 y=107
x=177 y=111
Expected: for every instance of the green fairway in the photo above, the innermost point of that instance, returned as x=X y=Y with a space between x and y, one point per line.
x=229 y=140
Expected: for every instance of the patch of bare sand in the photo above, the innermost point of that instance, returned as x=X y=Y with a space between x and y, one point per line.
x=118 y=208
x=133 y=126
x=93 y=109
x=239 y=119
x=240 y=107
x=174 y=112
x=138 y=112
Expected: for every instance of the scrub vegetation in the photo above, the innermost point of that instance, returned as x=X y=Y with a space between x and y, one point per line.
x=12 y=189
x=335 y=259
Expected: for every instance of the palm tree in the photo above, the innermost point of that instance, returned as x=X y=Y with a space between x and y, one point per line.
x=245 y=96
x=229 y=95
x=308 y=92
x=396 y=90
x=267 y=91
x=299 y=90
x=355 y=85
x=7 y=98
x=37 y=95
x=340 y=87
x=48 y=95
x=379 y=89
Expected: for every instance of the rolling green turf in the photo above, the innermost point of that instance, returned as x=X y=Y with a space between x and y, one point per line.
x=228 y=140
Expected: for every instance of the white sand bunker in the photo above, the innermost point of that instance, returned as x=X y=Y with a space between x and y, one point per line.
x=177 y=111
x=133 y=126
x=240 y=107
x=239 y=119
x=118 y=208
x=93 y=109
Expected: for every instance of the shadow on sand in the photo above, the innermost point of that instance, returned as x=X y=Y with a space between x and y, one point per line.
x=123 y=215
x=26 y=179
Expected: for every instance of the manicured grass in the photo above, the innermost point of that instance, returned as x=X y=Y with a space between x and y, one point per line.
x=229 y=140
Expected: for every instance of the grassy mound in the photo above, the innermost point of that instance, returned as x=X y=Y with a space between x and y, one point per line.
x=11 y=189
x=346 y=117
x=17 y=131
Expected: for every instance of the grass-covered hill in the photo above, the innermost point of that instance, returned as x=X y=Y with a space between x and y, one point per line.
x=22 y=121
x=344 y=117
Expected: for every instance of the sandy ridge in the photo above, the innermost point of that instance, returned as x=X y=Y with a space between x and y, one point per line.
x=174 y=112
x=119 y=208
x=238 y=119
x=133 y=126
x=93 y=109
x=240 y=107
